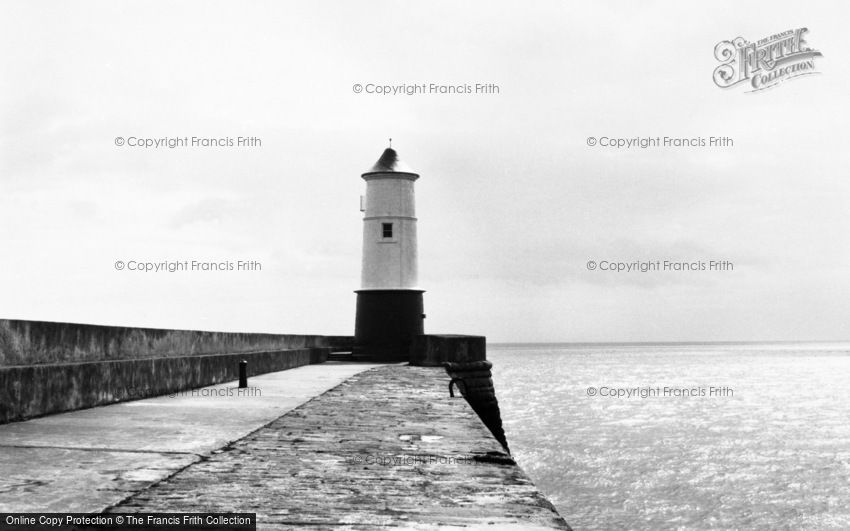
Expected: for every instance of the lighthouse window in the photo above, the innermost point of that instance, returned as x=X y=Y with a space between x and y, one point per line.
x=387 y=230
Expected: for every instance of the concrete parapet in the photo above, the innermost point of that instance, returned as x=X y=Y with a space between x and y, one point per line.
x=340 y=343
x=431 y=350
x=35 y=342
x=35 y=390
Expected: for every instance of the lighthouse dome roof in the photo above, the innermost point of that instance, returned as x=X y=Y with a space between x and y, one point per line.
x=390 y=163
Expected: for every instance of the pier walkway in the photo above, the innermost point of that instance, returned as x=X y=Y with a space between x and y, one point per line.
x=91 y=459
x=386 y=448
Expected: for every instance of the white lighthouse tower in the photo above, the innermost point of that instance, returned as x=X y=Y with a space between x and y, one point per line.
x=389 y=301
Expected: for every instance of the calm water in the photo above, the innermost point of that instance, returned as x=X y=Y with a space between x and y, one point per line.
x=771 y=451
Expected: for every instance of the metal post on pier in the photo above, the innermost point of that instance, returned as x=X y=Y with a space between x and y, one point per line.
x=243 y=374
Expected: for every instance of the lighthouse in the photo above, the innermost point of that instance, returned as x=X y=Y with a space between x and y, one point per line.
x=389 y=301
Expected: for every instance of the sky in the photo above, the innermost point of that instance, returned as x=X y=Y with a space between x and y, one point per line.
x=512 y=202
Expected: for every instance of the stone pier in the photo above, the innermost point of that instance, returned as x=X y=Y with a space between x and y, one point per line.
x=386 y=448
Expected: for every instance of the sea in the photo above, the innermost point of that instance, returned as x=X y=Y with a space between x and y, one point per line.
x=682 y=436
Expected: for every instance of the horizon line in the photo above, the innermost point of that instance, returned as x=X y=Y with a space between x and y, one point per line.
x=689 y=342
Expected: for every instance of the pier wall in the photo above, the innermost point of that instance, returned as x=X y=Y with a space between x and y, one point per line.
x=35 y=342
x=340 y=343
x=435 y=350
x=53 y=367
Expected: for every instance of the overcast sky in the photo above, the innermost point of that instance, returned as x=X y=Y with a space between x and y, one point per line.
x=512 y=202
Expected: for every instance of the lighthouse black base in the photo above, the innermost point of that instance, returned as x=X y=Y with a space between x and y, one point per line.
x=386 y=323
